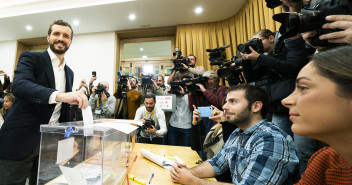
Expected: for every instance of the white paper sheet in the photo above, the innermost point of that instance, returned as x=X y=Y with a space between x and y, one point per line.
x=87 y=116
x=157 y=159
x=140 y=123
x=73 y=176
x=64 y=149
x=123 y=127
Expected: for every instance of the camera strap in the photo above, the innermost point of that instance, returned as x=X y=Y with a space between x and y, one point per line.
x=146 y=113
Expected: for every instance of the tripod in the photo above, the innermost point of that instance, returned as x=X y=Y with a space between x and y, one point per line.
x=123 y=113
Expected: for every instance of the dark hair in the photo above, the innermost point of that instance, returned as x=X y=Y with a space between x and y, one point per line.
x=195 y=58
x=150 y=95
x=161 y=77
x=11 y=98
x=253 y=94
x=265 y=33
x=336 y=65
x=61 y=23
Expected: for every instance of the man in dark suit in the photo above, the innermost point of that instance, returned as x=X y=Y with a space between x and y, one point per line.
x=43 y=88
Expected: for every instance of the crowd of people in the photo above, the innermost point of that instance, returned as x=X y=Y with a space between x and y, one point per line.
x=263 y=132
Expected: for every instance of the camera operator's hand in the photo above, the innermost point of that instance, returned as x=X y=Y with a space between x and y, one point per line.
x=184 y=66
x=151 y=130
x=143 y=120
x=104 y=98
x=196 y=117
x=182 y=91
x=343 y=22
x=93 y=90
x=217 y=115
x=128 y=84
x=251 y=56
x=201 y=86
x=154 y=84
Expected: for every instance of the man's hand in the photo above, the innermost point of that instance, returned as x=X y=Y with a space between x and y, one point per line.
x=251 y=56
x=93 y=90
x=3 y=73
x=196 y=117
x=343 y=22
x=151 y=130
x=184 y=66
x=217 y=115
x=128 y=84
x=154 y=84
x=182 y=91
x=179 y=173
x=77 y=97
x=92 y=80
x=104 y=98
x=201 y=87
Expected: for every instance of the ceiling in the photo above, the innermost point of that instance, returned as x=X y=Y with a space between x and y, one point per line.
x=106 y=15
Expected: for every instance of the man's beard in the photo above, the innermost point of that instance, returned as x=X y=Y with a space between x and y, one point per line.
x=62 y=51
x=150 y=109
x=242 y=119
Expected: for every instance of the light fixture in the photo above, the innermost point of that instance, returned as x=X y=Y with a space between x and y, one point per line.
x=141 y=49
x=144 y=56
x=198 y=10
x=148 y=69
x=28 y=28
x=132 y=17
x=75 y=22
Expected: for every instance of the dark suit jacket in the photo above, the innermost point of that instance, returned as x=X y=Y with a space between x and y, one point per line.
x=32 y=86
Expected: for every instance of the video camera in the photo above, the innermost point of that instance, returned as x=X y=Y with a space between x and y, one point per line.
x=233 y=74
x=101 y=88
x=175 y=86
x=149 y=123
x=190 y=83
x=147 y=80
x=179 y=60
x=255 y=43
x=275 y=3
x=123 y=80
x=294 y=23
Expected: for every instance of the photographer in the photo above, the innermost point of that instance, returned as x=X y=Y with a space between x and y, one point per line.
x=179 y=130
x=133 y=97
x=159 y=86
x=189 y=70
x=103 y=105
x=153 y=118
x=276 y=73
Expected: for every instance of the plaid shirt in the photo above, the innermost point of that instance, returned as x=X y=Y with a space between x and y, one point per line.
x=263 y=154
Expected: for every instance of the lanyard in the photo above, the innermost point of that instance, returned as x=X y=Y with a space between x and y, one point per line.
x=146 y=115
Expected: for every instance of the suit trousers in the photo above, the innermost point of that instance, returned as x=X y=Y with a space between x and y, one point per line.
x=15 y=172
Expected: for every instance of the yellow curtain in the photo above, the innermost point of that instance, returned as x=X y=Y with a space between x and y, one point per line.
x=196 y=38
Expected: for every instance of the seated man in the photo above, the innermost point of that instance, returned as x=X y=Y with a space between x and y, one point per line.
x=152 y=134
x=257 y=152
x=103 y=105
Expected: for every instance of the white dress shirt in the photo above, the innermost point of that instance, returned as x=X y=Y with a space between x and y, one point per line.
x=60 y=85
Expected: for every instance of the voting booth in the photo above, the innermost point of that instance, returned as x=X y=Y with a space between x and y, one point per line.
x=71 y=153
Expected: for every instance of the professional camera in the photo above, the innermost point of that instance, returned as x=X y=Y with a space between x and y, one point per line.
x=147 y=80
x=255 y=43
x=294 y=23
x=275 y=3
x=148 y=124
x=175 y=86
x=101 y=88
x=179 y=60
x=217 y=56
x=191 y=83
x=123 y=83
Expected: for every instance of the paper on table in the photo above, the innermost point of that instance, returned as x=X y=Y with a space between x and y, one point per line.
x=158 y=159
x=64 y=150
x=87 y=116
x=125 y=128
x=73 y=176
x=140 y=123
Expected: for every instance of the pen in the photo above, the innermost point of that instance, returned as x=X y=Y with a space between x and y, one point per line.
x=135 y=158
x=134 y=178
x=169 y=157
x=151 y=178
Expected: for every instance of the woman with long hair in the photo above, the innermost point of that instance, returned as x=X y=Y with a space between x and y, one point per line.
x=8 y=100
x=321 y=108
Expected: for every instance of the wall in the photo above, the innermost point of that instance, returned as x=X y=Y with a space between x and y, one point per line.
x=88 y=52
x=7 y=57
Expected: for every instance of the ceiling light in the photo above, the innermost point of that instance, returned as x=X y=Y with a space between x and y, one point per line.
x=144 y=56
x=198 y=10
x=75 y=22
x=132 y=17
x=28 y=28
x=141 y=49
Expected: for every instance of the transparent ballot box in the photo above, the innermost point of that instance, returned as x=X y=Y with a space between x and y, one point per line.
x=73 y=154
